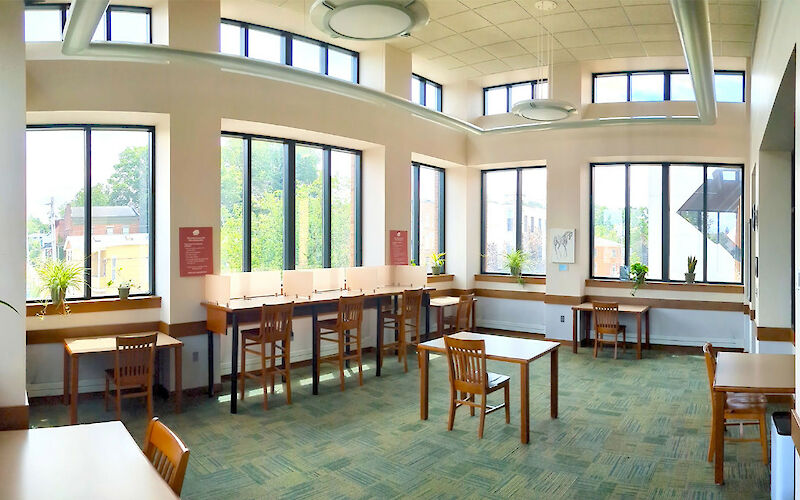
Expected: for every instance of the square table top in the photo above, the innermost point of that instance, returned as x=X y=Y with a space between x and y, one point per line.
x=86 y=345
x=500 y=348
x=746 y=372
x=77 y=461
x=446 y=301
x=623 y=308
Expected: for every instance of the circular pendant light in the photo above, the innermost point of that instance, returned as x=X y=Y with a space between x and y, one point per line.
x=543 y=110
x=368 y=19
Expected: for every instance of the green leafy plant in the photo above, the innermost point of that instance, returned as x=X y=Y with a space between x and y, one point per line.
x=691 y=263
x=58 y=277
x=4 y=303
x=514 y=261
x=120 y=282
x=638 y=273
x=437 y=262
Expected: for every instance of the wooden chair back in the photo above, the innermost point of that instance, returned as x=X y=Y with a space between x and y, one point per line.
x=464 y=312
x=412 y=302
x=466 y=360
x=167 y=453
x=134 y=359
x=711 y=365
x=276 y=322
x=351 y=312
x=606 y=317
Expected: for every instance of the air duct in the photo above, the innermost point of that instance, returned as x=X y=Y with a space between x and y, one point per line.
x=694 y=31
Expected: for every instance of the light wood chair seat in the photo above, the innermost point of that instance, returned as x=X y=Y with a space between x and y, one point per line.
x=460 y=321
x=168 y=454
x=407 y=318
x=495 y=380
x=328 y=323
x=742 y=401
x=134 y=362
x=348 y=318
x=606 y=323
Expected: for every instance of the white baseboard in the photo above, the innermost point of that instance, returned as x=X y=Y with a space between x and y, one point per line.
x=510 y=325
x=682 y=341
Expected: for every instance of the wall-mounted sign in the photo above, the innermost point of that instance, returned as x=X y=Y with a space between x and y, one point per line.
x=196 y=251
x=398 y=248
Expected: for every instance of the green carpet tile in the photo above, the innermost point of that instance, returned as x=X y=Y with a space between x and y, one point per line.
x=626 y=429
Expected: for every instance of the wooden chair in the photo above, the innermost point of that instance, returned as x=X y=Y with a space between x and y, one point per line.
x=337 y=330
x=399 y=322
x=461 y=320
x=134 y=360
x=606 y=322
x=276 y=330
x=466 y=360
x=167 y=453
x=746 y=409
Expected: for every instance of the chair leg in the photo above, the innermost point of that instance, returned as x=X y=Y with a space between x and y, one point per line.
x=616 y=341
x=483 y=416
x=272 y=365
x=507 y=403
x=287 y=366
x=119 y=402
x=451 y=411
x=149 y=401
x=403 y=354
x=596 y=336
x=264 y=374
x=358 y=354
x=762 y=424
x=711 y=442
x=242 y=371
x=341 y=360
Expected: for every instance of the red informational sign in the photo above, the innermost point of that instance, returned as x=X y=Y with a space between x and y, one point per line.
x=196 y=251
x=398 y=248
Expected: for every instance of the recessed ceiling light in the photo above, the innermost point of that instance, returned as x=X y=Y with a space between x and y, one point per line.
x=545 y=5
x=543 y=110
x=368 y=19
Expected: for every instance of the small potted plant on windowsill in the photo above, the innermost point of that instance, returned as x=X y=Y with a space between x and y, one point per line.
x=691 y=265
x=514 y=261
x=638 y=274
x=123 y=285
x=437 y=263
x=58 y=277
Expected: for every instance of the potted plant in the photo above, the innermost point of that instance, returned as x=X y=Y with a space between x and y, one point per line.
x=58 y=277
x=514 y=261
x=437 y=263
x=691 y=265
x=123 y=285
x=638 y=273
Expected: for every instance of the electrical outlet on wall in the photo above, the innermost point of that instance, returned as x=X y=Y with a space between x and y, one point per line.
x=195 y=357
x=562 y=319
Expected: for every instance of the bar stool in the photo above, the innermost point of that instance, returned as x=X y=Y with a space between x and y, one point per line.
x=408 y=316
x=276 y=330
x=337 y=330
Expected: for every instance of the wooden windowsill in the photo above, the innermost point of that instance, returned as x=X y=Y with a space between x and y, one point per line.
x=438 y=278
x=507 y=278
x=99 y=305
x=663 y=285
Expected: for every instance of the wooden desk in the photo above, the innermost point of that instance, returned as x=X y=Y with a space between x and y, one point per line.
x=584 y=313
x=76 y=347
x=77 y=461
x=440 y=303
x=219 y=317
x=499 y=348
x=744 y=372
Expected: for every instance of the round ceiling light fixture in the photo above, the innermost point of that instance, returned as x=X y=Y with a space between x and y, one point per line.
x=543 y=110
x=545 y=5
x=369 y=19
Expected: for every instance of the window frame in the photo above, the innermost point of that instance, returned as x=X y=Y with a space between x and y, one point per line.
x=87 y=208
x=64 y=7
x=667 y=73
x=421 y=81
x=415 y=210
x=534 y=84
x=289 y=227
x=665 y=215
x=287 y=37
x=518 y=218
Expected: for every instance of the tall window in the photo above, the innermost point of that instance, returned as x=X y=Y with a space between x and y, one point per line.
x=663 y=85
x=120 y=23
x=659 y=214
x=514 y=217
x=427 y=213
x=288 y=204
x=501 y=98
x=108 y=232
x=426 y=92
x=281 y=47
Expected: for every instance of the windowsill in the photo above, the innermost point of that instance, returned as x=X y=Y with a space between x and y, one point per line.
x=667 y=285
x=98 y=305
x=438 y=278
x=507 y=278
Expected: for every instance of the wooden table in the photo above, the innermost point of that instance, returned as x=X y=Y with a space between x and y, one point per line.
x=499 y=348
x=440 y=303
x=77 y=461
x=584 y=313
x=220 y=316
x=76 y=347
x=744 y=372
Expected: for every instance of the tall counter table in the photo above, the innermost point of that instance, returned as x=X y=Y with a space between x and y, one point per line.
x=220 y=317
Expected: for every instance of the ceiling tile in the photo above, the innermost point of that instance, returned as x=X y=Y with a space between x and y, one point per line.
x=593 y=4
x=448 y=62
x=530 y=6
x=736 y=49
x=433 y=31
x=735 y=33
x=465 y=73
x=557 y=23
x=737 y=14
x=505 y=49
x=650 y=14
x=464 y=21
x=522 y=62
x=427 y=51
x=643 y=2
x=663 y=48
x=443 y=8
x=634 y=49
x=523 y=28
x=405 y=42
x=617 y=34
x=474 y=4
x=503 y=12
x=492 y=66
x=603 y=18
x=532 y=44
x=562 y=56
x=581 y=38
x=589 y=53
x=486 y=36
x=713 y=13
x=473 y=56
x=451 y=44
x=657 y=32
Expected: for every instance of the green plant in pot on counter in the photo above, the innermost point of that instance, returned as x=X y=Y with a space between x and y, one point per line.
x=123 y=285
x=437 y=263
x=59 y=277
x=691 y=265
x=514 y=261
x=638 y=273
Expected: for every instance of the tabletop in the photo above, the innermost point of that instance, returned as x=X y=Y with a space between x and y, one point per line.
x=512 y=349
x=623 y=308
x=445 y=301
x=86 y=345
x=77 y=461
x=746 y=372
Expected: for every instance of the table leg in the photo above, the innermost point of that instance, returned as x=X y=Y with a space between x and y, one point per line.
x=314 y=353
x=440 y=321
x=73 y=405
x=210 y=363
x=178 y=378
x=575 y=331
x=718 y=436
x=474 y=301
x=379 y=341
x=524 y=404
x=423 y=357
x=639 y=336
x=586 y=321
x=554 y=384
x=234 y=361
x=66 y=376
x=647 y=328
x=427 y=302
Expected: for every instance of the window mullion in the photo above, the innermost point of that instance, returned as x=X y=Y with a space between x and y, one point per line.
x=665 y=236
x=483 y=222
x=244 y=40
x=705 y=223
x=442 y=236
x=628 y=214
x=326 y=207
x=416 y=215
x=359 y=218
x=247 y=197
x=288 y=206
x=519 y=210
x=87 y=214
